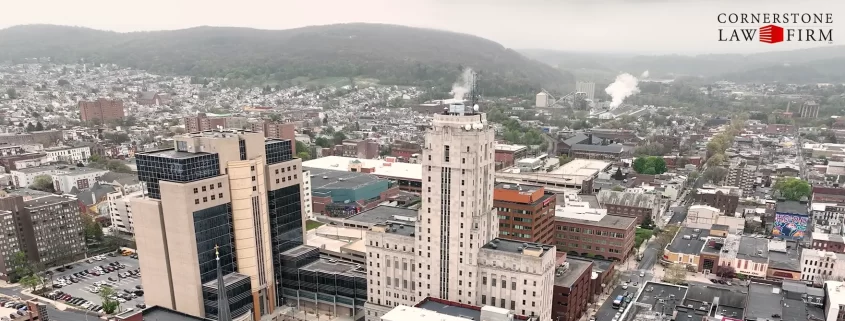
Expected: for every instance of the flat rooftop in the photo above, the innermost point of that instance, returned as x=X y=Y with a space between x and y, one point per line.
x=337 y=267
x=689 y=241
x=573 y=173
x=764 y=300
x=791 y=207
x=606 y=220
x=46 y=200
x=383 y=213
x=576 y=269
x=511 y=246
x=172 y=153
x=338 y=179
x=227 y=280
x=626 y=199
x=381 y=167
x=755 y=249
x=654 y=292
x=581 y=167
x=731 y=302
x=60 y=168
x=164 y=314
x=406 y=313
x=451 y=310
x=509 y=148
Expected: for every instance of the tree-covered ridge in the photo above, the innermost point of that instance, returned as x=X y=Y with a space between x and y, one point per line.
x=395 y=55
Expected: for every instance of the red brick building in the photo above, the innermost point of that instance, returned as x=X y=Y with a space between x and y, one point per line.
x=828 y=242
x=602 y=236
x=828 y=195
x=279 y=130
x=572 y=290
x=101 y=109
x=526 y=213
x=404 y=150
x=507 y=155
x=201 y=122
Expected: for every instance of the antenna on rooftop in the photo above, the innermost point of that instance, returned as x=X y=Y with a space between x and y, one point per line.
x=474 y=92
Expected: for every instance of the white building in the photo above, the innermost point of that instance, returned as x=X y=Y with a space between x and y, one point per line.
x=542 y=100
x=452 y=254
x=834 y=300
x=64 y=177
x=307 y=210
x=406 y=313
x=819 y=266
x=70 y=155
x=120 y=211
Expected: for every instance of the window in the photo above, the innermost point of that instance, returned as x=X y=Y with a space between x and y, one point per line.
x=195 y=190
x=446 y=153
x=252 y=168
x=494 y=282
x=196 y=201
x=483 y=299
x=219 y=185
x=203 y=188
x=484 y=281
x=205 y=199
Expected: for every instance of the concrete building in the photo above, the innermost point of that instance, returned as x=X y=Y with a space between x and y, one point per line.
x=526 y=213
x=542 y=100
x=120 y=211
x=834 y=301
x=820 y=266
x=229 y=190
x=452 y=252
x=580 y=230
x=101 y=110
x=742 y=176
x=65 y=177
x=278 y=130
x=307 y=207
x=48 y=229
x=589 y=88
x=703 y=216
x=404 y=150
x=630 y=204
x=358 y=148
x=809 y=109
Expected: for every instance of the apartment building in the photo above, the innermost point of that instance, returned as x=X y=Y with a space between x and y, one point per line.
x=101 y=110
x=48 y=229
x=828 y=242
x=452 y=250
x=827 y=214
x=742 y=176
x=68 y=154
x=819 y=266
x=809 y=109
x=232 y=192
x=834 y=301
x=725 y=198
x=201 y=122
x=275 y=129
x=526 y=213
x=581 y=230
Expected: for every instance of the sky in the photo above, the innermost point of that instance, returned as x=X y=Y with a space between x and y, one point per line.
x=624 y=26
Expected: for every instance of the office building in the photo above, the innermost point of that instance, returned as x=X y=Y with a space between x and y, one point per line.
x=572 y=289
x=630 y=204
x=581 y=230
x=588 y=88
x=275 y=129
x=451 y=252
x=526 y=213
x=232 y=192
x=48 y=229
x=101 y=110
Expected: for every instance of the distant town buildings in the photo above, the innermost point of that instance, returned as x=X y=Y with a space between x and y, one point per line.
x=588 y=88
x=101 y=110
x=809 y=109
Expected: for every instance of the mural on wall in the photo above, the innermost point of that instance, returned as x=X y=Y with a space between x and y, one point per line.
x=790 y=225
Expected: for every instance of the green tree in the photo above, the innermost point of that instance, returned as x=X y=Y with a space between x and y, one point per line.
x=676 y=273
x=322 y=142
x=39 y=126
x=30 y=127
x=93 y=230
x=650 y=165
x=793 y=188
x=338 y=138
x=110 y=304
x=714 y=174
x=716 y=159
x=20 y=265
x=43 y=183
x=648 y=223
x=304 y=155
x=563 y=159
x=12 y=93
x=618 y=175
x=30 y=281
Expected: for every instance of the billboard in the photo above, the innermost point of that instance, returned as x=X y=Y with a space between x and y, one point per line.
x=790 y=226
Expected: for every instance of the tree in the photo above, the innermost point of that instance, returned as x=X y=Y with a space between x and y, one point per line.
x=563 y=159
x=338 y=138
x=618 y=188
x=715 y=174
x=93 y=230
x=724 y=271
x=39 y=126
x=30 y=127
x=650 y=149
x=20 y=265
x=12 y=93
x=30 y=281
x=650 y=165
x=793 y=188
x=43 y=183
x=648 y=223
x=304 y=155
x=666 y=235
x=618 y=175
x=716 y=159
x=676 y=273
x=322 y=142
x=109 y=304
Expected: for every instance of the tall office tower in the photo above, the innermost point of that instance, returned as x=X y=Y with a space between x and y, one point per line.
x=452 y=249
x=588 y=88
x=211 y=191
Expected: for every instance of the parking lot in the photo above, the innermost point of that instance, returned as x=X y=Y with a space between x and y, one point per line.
x=119 y=284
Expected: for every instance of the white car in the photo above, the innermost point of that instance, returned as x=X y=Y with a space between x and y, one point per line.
x=121 y=300
x=624 y=286
x=642 y=274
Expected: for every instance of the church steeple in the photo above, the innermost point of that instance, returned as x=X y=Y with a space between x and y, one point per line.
x=223 y=313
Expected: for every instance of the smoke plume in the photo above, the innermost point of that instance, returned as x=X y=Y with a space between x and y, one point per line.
x=463 y=86
x=624 y=86
x=645 y=74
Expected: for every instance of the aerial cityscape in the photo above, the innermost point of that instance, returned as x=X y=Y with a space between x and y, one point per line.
x=378 y=172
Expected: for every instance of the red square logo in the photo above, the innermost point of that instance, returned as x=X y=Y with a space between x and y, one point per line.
x=771 y=34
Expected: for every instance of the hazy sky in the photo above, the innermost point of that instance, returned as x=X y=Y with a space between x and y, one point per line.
x=642 y=26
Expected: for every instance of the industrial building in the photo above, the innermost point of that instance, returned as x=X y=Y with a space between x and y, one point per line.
x=407 y=176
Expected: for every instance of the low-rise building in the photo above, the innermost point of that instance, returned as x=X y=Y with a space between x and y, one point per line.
x=828 y=242
x=70 y=155
x=725 y=198
x=526 y=213
x=820 y=266
x=507 y=155
x=342 y=194
x=572 y=291
x=630 y=204
x=580 y=230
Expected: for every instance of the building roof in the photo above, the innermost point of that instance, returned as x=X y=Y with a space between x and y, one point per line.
x=337 y=267
x=689 y=241
x=46 y=200
x=731 y=302
x=158 y=313
x=791 y=207
x=92 y=195
x=608 y=221
x=788 y=261
x=406 y=313
x=381 y=167
x=383 y=213
x=512 y=246
x=764 y=300
x=120 y=178
x=615 y=148
x=454 y=310
x=670 y=295
x=828 y=237
x=172 y=153
x=575 y=269
x=755 y=249
x=328 y=179
x=626 y=199
x=509 y=148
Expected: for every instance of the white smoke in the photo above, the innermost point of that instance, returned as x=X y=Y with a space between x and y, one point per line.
x=624 y=86
x=645 y=74
x=463 y=86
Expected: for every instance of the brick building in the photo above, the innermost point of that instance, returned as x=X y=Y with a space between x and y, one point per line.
x=572 y=290
x=725 y=199
x=404 y=150
x=358 y=148
x=588 y=231
x=507 y=155
x=273 y=129
x=101 y=109
x=828 y=242
x=201 y=122
x=629 y=204
x=526 y=213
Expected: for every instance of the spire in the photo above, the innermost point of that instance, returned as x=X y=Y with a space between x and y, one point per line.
x=223 y=313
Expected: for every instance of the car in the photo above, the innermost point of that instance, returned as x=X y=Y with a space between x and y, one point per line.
x=624 y=286
x=139 y=287
x=144 y=306
x=61 y=269
x=112 y=279
x=728 y=283
x=642 y=273
x=12 y=315
x=68 y=266
x=112 y=254
x=89 y=261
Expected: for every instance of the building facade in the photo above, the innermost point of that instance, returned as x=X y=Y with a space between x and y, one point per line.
x=572 y=291
x=233 y=189
x=101 y=110
x=820 y=266
x=526 y=213
x=452 y=251
x=584 y=231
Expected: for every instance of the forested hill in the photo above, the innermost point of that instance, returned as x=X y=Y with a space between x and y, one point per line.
x=393 y=54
